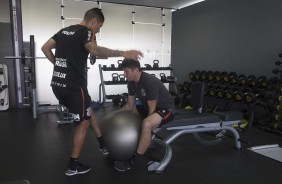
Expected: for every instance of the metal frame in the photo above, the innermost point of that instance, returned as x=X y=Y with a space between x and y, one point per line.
x=159 y=167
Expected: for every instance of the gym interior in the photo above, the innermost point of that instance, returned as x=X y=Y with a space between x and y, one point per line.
x=233 y=48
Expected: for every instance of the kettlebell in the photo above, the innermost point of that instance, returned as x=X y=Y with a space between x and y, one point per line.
x=156 y=64
x=115 y=77
x=148 y=66
x=163 y=77
x=119 y=63
x=121 y=78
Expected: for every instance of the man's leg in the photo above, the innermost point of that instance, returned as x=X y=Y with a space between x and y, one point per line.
x=75 y=167
x=96 y=129
x=148 y=125
x=79 y=137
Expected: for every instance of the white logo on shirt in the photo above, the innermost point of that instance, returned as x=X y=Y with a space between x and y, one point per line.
x=89 y=35
x=61 y=63
x=88 y=111
x=143 y=93
x=68 y=32
x=76 y=117
x=59 y=74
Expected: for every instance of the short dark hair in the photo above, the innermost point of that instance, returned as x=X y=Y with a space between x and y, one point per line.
x=94 y=13
x=130 y=63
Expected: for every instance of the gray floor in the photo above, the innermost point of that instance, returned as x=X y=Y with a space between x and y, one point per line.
x=38 y=151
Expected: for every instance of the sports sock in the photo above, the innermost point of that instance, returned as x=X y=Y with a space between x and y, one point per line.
x=101 y=142
x=73 y=163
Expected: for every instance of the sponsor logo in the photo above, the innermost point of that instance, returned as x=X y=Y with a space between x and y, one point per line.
x=61 y=62
x=89 y=35
x=59 y=84
x=76 y=117
x=60 y=75
x=88 y=111
x=68 y=32
x=143 y=93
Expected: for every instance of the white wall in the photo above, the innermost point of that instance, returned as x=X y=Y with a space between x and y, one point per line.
x=42 y=18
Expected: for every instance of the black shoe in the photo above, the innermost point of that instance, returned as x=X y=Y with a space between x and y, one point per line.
x=80 y=169
x=122 y=166
x=104 y=151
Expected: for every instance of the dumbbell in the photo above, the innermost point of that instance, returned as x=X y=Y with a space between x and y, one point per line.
x=180 y=88
x=204 y=76
x=225 y=77
x=212 y=90
x=252 y=81
x=197 y=75
x=187 y=87
x=228 y=94
x=192 y=76
x=242 y=80
x=233 y=79
x=278 y=63
x=210 y=76
x=262 y=81
x=219 y=93
x=253 y=97
x=217 y=76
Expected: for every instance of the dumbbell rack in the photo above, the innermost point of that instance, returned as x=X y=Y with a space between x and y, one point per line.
x=102 y=91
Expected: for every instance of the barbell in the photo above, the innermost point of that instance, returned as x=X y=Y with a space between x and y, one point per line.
x=92 y=58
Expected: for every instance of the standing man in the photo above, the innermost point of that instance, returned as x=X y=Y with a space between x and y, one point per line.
x=157 y=106
x=72 y=46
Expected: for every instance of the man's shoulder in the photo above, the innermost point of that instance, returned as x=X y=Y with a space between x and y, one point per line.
x=149 y=77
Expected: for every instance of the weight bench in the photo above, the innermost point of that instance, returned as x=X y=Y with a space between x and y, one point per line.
x=195 y=123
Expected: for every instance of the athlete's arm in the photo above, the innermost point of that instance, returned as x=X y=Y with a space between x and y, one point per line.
x=102 y=52
x=47 y=50
x=130 y=105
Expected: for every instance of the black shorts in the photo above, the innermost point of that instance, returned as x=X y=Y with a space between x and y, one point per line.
x=78 y=102
x=166 y=114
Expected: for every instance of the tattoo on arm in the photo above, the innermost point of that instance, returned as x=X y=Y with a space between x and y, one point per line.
x=96 y=50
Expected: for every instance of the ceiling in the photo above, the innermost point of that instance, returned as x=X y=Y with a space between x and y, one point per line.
x=167 y=4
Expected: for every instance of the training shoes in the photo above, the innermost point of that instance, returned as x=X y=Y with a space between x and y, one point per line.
x=80 y=169
x=104 y=151
x=122 y=166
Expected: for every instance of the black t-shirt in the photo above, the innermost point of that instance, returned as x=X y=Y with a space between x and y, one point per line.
x=151 y=88
x=71 y=57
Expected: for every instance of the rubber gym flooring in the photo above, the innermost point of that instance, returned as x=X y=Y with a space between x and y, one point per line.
x=38 y=151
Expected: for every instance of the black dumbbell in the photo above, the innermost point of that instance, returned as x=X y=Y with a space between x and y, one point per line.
x=210 y=76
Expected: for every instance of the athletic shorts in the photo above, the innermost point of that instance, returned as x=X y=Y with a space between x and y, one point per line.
x=166 y=114
x=78 y=102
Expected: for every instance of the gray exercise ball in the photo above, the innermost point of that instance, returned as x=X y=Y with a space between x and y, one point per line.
x=121 y=130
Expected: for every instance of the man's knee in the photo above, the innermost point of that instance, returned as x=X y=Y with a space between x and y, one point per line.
x=149 y=125
x=84 y=124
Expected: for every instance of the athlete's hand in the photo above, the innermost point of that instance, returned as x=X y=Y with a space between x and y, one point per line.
x=133 y=54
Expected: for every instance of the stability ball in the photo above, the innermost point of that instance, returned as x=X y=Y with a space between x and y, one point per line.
x=121 y=130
